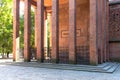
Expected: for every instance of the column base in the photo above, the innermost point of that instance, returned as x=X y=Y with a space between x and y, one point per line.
x=14 y=60
x=72 y=62
x=40 y=60
x=93 y=63
x=54 y=61
x=26 y=60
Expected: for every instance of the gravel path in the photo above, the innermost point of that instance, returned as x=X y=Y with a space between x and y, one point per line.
x=8 y=72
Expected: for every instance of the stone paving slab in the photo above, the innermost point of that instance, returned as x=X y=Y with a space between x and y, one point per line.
x=103 y=68
x=9 y=72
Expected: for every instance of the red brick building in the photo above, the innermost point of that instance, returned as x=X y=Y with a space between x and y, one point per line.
x=114 y=30
x=79 y=30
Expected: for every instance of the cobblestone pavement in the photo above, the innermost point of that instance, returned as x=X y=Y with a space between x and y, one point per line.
x=8 y=72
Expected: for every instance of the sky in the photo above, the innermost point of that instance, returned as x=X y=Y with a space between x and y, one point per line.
x=21 y=8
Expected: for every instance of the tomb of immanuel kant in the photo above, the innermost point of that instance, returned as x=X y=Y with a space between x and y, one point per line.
x=78 y=30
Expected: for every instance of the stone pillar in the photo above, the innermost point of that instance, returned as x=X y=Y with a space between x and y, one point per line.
x=16 y=29
x=100 y=41
x=107 y=29
x=93 y=33
x=104 y=30
x=72 y=31
x=27 y=28
x=55 y=30
x=40 y=30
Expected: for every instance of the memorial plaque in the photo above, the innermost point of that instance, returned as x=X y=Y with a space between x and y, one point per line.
x=65 y=33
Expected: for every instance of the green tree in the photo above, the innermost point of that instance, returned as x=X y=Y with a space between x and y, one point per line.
x=5 y=26
x=22 y=30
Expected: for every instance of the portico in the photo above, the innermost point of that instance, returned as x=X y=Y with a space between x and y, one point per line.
x=78 y=28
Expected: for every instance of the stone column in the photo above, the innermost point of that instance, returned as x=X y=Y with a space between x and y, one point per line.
x=100 y=41
x=72 y=31
x=16 y=29
x=107 y=29
x=40 y=30
x=93 y=33
x=106 y=35
x=104 y=29
x=55 y=30
x=27 y=28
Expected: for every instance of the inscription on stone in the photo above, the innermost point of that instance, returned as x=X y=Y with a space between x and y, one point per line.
x=65 y=33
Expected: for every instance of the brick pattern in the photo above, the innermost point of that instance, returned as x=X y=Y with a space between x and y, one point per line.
x=72 y=30
x=27 y=25
x=93 y=33
x=114 y=32
x=82 y=54
x=40 y=30
x=115 y=51
x=82 y=23
x=80 y=15
x=55 y=30
x=100 y=39
x=63 y=55
x=114 y=23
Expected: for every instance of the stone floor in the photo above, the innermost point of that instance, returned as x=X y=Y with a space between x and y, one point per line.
x=11 y=72
x=8 y=72
x=108 y=67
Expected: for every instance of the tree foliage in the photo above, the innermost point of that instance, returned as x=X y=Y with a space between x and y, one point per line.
x=22 y=30
x=5 y=26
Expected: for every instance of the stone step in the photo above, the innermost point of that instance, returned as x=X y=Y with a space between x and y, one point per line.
x=64 y=67
x=112 y=69
x=108 y=66
x=54 y=66
x=86 y=66
x=104 y=64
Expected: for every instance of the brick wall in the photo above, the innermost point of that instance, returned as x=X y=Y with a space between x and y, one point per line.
x=82 y=23
x=82 y=31
x=114 y=31
x=115 y=51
